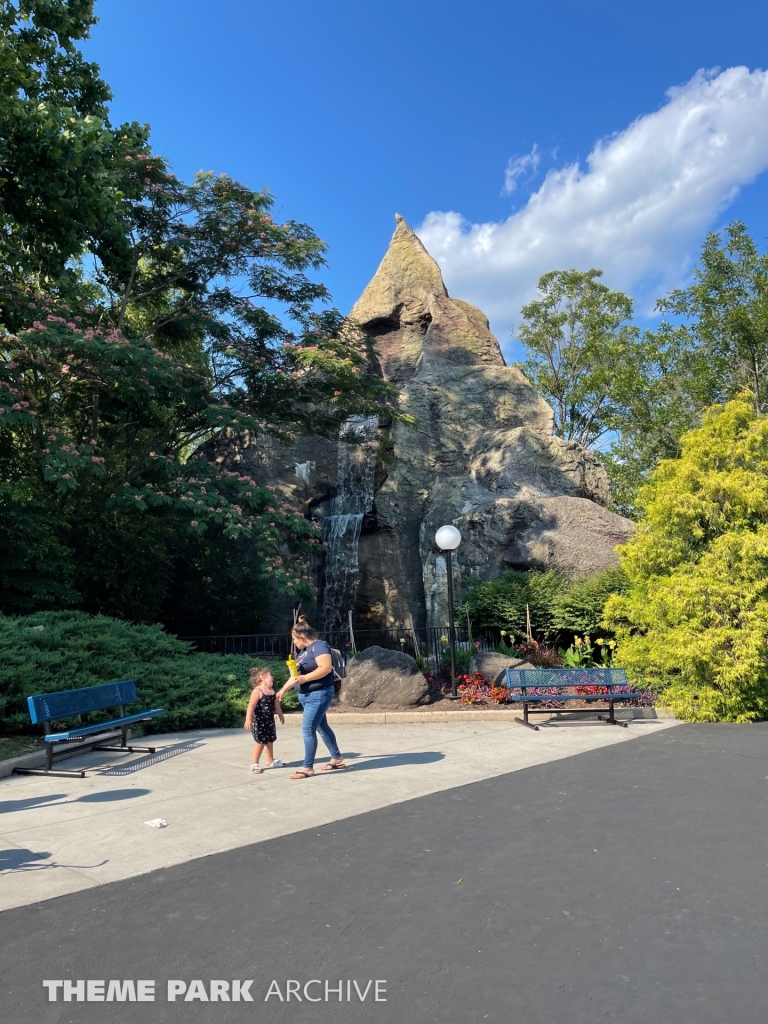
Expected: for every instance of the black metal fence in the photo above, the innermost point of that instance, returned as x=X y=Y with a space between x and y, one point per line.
x=429 y=644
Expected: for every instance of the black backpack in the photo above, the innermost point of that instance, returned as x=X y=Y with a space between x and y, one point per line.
x=339 y=665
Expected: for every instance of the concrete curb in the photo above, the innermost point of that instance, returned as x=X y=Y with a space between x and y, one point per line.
x=399 y=717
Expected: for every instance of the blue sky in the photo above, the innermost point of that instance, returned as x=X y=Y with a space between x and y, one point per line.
x=349 y=111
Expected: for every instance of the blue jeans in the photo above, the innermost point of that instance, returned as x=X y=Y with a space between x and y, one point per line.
x=313 y=721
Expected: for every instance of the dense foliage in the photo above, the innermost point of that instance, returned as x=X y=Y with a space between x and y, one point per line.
x=60 y=159
x=631 y=395
x=726 y=310
x=578 y=339
x=558 y=607
x=73 y=650
x=694 y=619
x=143 y=318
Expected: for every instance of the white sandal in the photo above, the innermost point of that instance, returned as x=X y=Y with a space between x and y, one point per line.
x=257 y=769
x=277 y=763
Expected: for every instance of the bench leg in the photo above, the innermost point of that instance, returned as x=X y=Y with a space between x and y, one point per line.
x=611 y=719
x=48 y=770
x=524 y=719
x=124 y=748
x=127 y=750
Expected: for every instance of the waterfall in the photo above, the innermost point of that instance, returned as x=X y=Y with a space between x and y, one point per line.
x=341 y=529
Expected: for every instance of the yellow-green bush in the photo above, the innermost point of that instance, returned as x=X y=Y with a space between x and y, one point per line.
x=74 y=649
x=694 y=621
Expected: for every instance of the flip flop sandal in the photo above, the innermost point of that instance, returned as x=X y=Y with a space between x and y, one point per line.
x=302 y=775
x=334 y=767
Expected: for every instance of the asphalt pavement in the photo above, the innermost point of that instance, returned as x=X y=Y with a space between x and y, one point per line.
x=623 y=885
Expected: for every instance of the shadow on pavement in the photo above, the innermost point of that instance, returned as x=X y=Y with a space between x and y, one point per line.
x=394 y=760
x=59 y=799
x=145 y=762
x=109 y=795
x=21 y=860
x=18 y=859
x=6 y=806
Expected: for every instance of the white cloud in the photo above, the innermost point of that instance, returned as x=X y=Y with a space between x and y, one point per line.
x=518 y=167
x=639 y=210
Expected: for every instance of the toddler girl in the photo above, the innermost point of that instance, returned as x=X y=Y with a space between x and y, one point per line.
x=260 y=717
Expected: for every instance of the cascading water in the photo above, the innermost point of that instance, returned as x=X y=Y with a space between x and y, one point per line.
x=341 y=529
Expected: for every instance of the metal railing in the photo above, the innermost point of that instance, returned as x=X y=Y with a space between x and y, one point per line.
x=428 y=644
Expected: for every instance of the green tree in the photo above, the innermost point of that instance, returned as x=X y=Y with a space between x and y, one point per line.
x=659 y=394
x=61 y=162
x=579 y=341
x=578 y=608
x=727 y=306
x=559 y=607
x=500 y=603
x=695 y=617
x=199 y=317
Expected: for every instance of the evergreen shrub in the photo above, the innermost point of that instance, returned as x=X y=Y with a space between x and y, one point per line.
x=693 y=622
x=74 y=649
x=559 y=607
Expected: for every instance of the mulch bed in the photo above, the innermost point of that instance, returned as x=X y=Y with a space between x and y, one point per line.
x=443 y=704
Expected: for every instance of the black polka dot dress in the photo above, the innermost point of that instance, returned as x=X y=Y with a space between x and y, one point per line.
x=263 y=723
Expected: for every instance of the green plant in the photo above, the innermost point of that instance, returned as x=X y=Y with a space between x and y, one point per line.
x=74 y=649
x=607 y=651
x=579 y=655
x=462 y=659
x=558 y=606
x=578 y=608
x=501 y=602
x=505 y=647
x=693 y=622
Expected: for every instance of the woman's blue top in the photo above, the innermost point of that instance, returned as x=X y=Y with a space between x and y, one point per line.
x=306 y=661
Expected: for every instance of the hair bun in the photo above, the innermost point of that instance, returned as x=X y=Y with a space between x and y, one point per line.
x=302 y=618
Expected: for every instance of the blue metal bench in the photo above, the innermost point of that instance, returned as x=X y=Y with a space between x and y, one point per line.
x=529 y=681
x=48 y=707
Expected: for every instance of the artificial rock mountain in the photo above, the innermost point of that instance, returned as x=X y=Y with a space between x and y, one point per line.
x=481 y=456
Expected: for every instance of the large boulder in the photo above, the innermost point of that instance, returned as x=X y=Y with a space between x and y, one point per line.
x=387 y=679
x=493 y=666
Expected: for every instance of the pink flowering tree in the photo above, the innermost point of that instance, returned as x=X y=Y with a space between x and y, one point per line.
x=143 y=321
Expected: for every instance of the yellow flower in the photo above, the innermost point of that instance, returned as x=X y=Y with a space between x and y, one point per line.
x=443 y=639
x=504 y=632
x=611 y=644
x=600 y=641
x=578 y=641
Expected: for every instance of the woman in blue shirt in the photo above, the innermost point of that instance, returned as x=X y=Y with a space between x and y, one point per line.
x=315 y=686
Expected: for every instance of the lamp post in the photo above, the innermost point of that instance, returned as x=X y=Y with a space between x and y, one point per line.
x=448 y=539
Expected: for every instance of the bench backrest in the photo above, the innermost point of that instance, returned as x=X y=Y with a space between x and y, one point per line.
x=519 y=678
x=48 y=706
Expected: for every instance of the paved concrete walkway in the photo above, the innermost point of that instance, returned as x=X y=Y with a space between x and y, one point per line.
x=64 y=835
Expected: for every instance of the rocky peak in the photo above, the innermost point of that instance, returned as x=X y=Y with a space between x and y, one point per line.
x=481 y=454
x=406 y=273
x=417 y=326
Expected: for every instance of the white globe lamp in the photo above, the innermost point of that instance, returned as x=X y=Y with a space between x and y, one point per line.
x=448 y=539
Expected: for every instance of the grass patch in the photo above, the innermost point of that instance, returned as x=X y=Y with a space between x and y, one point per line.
x=15 y=746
